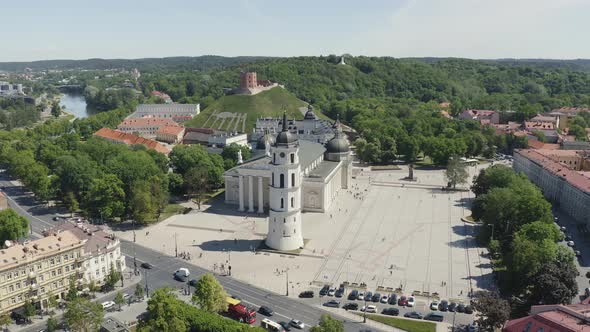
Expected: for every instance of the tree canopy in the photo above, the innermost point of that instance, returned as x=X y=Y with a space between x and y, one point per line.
x=12 y=226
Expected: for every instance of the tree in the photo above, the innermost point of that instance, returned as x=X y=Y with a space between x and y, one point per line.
x=555 y=282
x=83 y=315
x=51 y=301
x=12 y=226
x=119 y=300
x=106 y=198
x=328 y=324
x=493 y=311
x=497 y=176
x=456 y=172
x=55 y=109
x=231 y=152
x=5 y=320
x=209 y=294
x=579 y=132
x=71 y=202
x=52 y=324
x=92 y=287
x=28 y=309
x=141 y=205
x=113 y=277
x=540 y=135
x=138 y=291
x=72 y=293
x=197 y=183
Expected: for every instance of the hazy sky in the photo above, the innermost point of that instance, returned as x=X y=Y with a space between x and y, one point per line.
x=67 y=29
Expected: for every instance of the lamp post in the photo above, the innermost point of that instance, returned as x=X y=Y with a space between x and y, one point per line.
x=287 y=283
x=365 y=311
x=147 y=288
x=175 y=246
x=135 y=272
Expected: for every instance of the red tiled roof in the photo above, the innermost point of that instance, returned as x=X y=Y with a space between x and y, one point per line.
x=171 y=130
x=129 y=139
x=481 y=112
x=142 y=122
x=572 y=177
x=571 y=318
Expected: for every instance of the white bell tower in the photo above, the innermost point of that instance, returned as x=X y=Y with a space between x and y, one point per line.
x=284 y=221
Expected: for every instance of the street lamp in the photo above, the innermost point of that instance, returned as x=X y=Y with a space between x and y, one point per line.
x=175 y=246
x=287 y=283
x=147 y=288
x=135 y=272
x=365 y=311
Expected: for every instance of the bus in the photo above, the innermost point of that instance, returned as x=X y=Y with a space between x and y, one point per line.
x=272 y=326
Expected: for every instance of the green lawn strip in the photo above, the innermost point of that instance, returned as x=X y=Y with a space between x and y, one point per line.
x=404 y=324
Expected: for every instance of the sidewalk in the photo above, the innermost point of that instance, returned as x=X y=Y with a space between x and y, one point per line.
x=40 y=322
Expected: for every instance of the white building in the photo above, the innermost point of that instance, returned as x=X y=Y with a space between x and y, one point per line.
x=101 y=251
x=226 y=138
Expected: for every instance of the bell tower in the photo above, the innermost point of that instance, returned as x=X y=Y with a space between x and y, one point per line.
x=284 y=221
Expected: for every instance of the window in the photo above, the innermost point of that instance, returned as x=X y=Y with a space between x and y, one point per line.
x=58 y=259
x=39 y=266
x=59 y=271
x=61 y=283
x=42 y=289
x=53 y=273
x=15 y=275
x=67 y=268
x=20 y=298
x=284 y=220
x=282 y=180
x=23 y=272
x=292 y=158
x=66 y=258
x=8 y=276
x=11 y=288
x=97 y=272
x=111 y=255
x=18 y=285
x=273 y=179
x=13 y=300
x=294 y=231
x=104 y=271
x=292 y=179
x=96 y=260
x=52 y=261
x=41 y=277
x=292 y=202
x=54 y=285
x=282 y=203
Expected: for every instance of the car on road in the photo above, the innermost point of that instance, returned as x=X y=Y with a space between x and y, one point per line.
x=180 y=277
x=571 y=243
x=297 y=324
x=55 y=218
x=324 y=290
x=452 y=307
x=384 y=299
x=468 y=310
x=126 y=296
x=331 y=291
x=332 y=304
x=472 y=327
x=578 y=253
x=351 y=306
x=370 y=308
x=146 y=265
x=392 y=298
x=443 y=306
x=568 y=237
x=413 y=314
x=403 y=301
x=434 y=305
x=107 y=305
x=193 y=282
x=306 y=294
x=563 y=229
x=411 y=301
x=353 y=294
x=265 y=310
x=368 y=296
x=435 y=317
x=285 y=325
x=460 y=307
x=361 y=296
x=390 y=311
x=376 y=297
x=340 y=292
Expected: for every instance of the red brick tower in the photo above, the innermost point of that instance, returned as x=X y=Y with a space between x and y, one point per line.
x=248 y=80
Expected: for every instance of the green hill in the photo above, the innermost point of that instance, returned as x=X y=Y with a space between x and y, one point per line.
x=239 y=112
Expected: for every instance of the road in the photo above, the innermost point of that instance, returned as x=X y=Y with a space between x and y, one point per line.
x=285 y=308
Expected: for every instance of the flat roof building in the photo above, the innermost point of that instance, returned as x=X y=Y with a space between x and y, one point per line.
x=176 y=112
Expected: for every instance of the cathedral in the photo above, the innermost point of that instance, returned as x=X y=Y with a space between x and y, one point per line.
x=291 y=176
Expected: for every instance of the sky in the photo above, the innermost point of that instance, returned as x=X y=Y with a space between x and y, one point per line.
x=479 y=29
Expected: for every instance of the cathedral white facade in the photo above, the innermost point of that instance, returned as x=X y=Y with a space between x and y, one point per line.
x=292 y=176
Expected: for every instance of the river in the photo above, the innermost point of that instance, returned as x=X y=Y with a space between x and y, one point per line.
x=75 y=104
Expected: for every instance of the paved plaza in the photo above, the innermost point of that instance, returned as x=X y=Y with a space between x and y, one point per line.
x=384 y=231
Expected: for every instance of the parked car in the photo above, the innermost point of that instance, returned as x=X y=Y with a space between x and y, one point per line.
x=126 y=296
x=331 y=291
x=297 y=324
x=434 y=305
x=461 y=308
x=443 y=306
x=285 y=325
x=353 y=295
x=324 y=290
x=452 y=306
x=563 y=229
x=390 y=311
x=392 y=298
x=107 y=305
x=403 y=301
x=376 y=297
x=146 y=265
x=468 y=310
x=361 y=296
x=193 y=282
x=571 y=243
x=351 y=306
x=434 y=316
x=265 y=311
x=578 y=253
x=472 y=327
x=340 y=292
x=370 y=308
x=180 y=277
x=332 y=304
x=306 y=294
x=411 y=301
x=384 y=299
x=413 y=314
x=368 y=296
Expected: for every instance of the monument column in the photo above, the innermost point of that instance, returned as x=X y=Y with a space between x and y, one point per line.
x=241 y=193
x=250 y=194
x=260 y=195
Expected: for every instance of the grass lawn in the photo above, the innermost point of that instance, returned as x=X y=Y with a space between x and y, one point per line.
x=169 y=211
x=405 y=324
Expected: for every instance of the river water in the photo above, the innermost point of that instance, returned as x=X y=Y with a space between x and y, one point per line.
x=75 y=104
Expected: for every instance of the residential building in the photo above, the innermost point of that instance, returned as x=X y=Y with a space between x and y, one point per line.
x=484 y=117
x=177 y=112
x=8 y=89
x=197 y=135
x=562 y=175
x=145 y=126
x=226 y=138
x=553 y=317
x=162 y=96
x=119 y=137
x=35 y=269
x=111 y=324
x=170 y=134
x=101 y=250
x=542 y=122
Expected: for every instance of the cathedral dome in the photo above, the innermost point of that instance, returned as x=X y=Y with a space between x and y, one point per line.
x=261 y=143
x=309 y=115
x=285 y=137
x=338 y=144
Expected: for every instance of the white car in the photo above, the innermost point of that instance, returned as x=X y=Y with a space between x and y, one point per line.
x=107 y=305
x=411 y=301
x=370 y=308
x=126 y=296
x=297 y=324
x=331 y=291
x=434 y=305
x=384 y=299
x=360 y=296
x=571 y=243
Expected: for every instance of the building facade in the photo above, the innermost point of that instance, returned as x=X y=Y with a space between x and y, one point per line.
x=119 y=137
x=147 y=127
x=170 y=134
x=177 y=112
x=222 y=139
x=562 y=175
x=483 y=116
x=553 y=317
x=36 y=269
x=102 y=251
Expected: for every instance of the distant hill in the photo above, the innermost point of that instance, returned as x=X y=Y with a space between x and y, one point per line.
x=239 y=112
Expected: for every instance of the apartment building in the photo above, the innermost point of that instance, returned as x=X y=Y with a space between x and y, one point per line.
x=35 y=269
x=147 y=127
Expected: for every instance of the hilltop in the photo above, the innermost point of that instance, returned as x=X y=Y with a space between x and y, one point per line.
x=239 y=112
